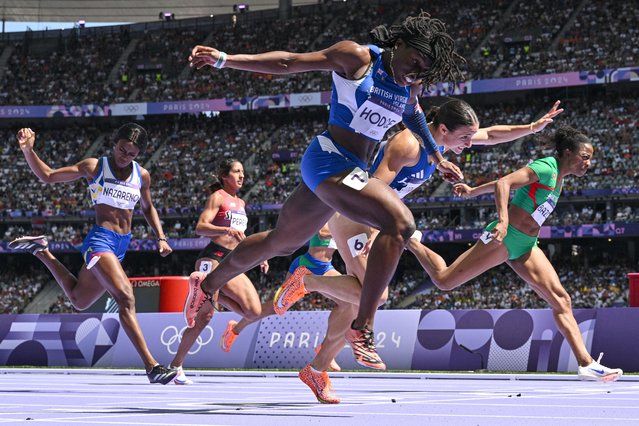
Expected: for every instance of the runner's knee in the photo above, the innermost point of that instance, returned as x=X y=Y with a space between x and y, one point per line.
x=252 y=314
x=79 y=303
x=124 y=297
x=402 y=225
x=561 y=301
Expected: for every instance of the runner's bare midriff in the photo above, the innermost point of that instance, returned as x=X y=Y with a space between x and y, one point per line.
x=359 y=145
x=113 y=219
x=523 y=221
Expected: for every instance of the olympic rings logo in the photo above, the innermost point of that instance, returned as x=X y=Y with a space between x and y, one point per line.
x=131 y=108
x=171 y=338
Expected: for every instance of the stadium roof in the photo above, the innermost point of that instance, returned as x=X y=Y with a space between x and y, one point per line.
x=123 y=10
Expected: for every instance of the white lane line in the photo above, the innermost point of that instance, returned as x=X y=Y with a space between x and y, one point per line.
x=338 y=414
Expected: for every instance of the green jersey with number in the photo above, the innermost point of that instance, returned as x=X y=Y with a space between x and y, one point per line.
x=540 y=198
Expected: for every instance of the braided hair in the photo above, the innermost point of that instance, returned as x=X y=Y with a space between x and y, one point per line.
x=132 y=132
x=429 y=37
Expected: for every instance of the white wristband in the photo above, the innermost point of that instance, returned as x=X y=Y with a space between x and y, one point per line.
x=417 y=235
x=221 y=61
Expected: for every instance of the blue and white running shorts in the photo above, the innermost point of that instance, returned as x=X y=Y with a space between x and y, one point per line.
x=325 y=158
x=101 y=240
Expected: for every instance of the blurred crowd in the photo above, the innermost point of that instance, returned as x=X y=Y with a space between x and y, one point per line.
x=19 y=285
x=498 y=38
x=184 y=151
x=598 y=286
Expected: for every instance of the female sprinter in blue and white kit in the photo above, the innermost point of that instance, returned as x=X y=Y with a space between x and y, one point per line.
x=402 y=163
x=374 y=87
x=116 y=184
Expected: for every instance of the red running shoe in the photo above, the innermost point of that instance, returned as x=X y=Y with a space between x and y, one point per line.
x=291 y=291
x=228 y=337
x=363 y=346
x=195 y=299
x=320 y=384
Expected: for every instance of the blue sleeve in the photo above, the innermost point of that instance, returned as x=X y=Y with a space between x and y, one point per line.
x=415 y=120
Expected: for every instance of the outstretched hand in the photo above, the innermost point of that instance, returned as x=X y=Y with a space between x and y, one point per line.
x=539 y=125
x=450 y=171
x=462 y=190
x=26 y=139
x=202 y=56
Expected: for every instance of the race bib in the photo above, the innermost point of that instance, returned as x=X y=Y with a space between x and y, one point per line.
x=119 y=196
x=206 y=266
x=239 y=221
x=542 y=212
x=357 y=179
x=357 y=243
x=486 y=237
x=373 y=120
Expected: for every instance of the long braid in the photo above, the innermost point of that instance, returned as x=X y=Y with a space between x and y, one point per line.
x=429 y=36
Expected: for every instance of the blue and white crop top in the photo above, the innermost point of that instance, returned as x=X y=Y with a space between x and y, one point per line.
x=107 y=189
x=371 y=105
x=409 y=178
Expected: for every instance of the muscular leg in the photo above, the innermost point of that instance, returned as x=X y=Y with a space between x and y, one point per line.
x=267 y=310
x=344 y=287
x=239 y=296
x=345 y=290
x=302 y=215
x=339 y=320
x=470 y=264
x=538 y=272
x=190 y=335
x=241 y=293
x=112 y=277
x=378 y=206
x=82 y=291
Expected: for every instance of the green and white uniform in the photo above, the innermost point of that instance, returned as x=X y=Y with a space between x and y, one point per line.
x=539 y=199
x=316 y=266
x=316 y=241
